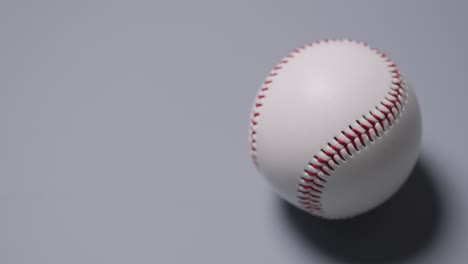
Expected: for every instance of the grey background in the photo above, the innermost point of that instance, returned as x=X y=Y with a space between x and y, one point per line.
x=123 y=133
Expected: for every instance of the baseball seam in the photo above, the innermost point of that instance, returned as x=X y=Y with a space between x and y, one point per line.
x=364 y=131
x=259 y=98
x=357 y=136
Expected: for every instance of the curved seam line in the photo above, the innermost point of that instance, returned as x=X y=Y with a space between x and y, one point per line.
x=363 y=132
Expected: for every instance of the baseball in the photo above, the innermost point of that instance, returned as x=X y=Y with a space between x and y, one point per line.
x=335 y=128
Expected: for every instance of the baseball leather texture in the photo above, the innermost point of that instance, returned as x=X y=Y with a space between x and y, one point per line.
x=335 y=128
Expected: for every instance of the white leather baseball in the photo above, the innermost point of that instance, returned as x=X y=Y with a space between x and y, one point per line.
x=335 y=128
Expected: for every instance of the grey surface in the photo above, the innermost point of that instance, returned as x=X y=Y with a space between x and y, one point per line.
x=124 y=132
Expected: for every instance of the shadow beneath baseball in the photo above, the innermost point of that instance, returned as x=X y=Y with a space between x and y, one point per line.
x=395 y=231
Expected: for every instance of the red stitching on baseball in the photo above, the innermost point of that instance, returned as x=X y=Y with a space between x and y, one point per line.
x=320 y=159
x=262 y=93
x=321 y=168
x=362 y=130
x=379 y=119
x=310 y=173
x=358 y=134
